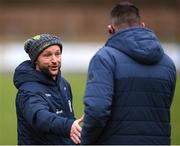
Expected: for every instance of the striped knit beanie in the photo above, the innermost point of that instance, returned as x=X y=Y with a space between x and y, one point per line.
x=35 y=45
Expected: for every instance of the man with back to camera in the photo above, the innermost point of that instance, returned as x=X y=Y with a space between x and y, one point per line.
x=43 y=102
x=130 y=86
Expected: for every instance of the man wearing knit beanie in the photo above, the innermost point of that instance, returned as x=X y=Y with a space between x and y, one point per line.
x=43 y=102
x=35 y=45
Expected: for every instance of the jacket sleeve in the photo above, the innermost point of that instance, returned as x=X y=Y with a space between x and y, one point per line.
x=36 y=112
x=97 y=99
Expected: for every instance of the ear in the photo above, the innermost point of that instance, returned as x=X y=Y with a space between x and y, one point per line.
x=143 y=24
x=111 y=29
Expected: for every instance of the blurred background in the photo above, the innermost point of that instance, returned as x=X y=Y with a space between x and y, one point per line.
x=82 y=27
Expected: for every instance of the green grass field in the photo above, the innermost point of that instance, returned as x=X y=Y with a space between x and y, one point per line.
x=8 y=134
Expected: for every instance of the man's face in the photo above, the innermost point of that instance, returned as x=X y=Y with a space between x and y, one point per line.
x=49 y=61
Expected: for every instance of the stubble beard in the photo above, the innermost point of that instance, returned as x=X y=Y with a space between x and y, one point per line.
x=47 y=72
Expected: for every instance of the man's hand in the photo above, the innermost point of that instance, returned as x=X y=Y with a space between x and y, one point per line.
x=75 y=133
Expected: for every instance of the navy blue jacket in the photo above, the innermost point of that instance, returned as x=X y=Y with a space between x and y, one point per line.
x=43 y=107
x=130 y=87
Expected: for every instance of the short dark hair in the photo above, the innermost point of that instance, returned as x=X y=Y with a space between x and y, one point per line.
x=125 y=12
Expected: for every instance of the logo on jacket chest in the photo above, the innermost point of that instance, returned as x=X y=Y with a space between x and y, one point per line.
x=59 y=111
x=48 y=95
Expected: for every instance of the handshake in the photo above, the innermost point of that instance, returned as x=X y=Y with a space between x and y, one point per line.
x=75 y=133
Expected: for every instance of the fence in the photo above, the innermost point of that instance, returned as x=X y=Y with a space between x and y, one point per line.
x=75 y=57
